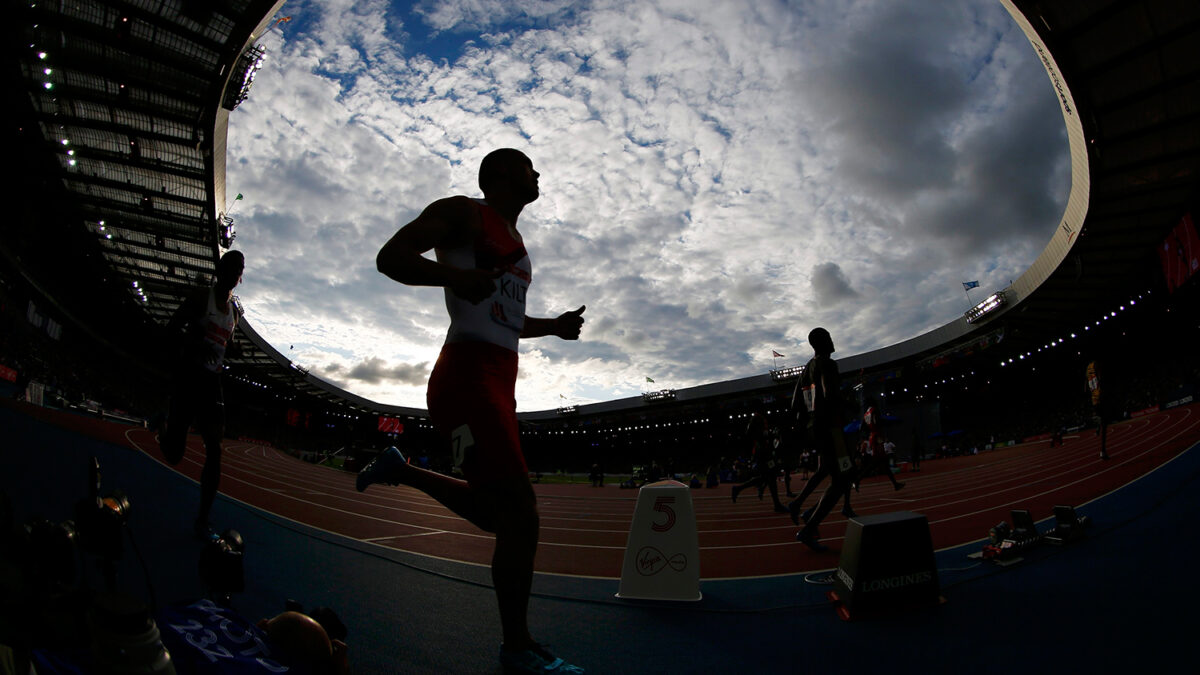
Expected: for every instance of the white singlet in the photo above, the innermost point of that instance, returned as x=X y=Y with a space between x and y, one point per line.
x=500 y=318
x=218 y=329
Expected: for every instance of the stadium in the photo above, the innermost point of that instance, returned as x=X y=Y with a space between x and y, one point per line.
x=120 y=119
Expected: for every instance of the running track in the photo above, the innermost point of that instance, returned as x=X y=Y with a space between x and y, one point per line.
x=584 y=529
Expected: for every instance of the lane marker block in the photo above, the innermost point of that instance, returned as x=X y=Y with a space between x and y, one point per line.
x=662 y=555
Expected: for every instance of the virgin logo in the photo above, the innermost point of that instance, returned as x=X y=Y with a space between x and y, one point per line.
x=651 y=561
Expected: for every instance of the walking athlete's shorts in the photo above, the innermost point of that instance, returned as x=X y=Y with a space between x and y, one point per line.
x=472 y=406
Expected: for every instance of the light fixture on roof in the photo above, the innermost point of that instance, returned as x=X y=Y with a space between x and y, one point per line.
x=990 y=304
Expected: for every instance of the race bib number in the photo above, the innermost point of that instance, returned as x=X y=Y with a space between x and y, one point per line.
x=845 y=464
x=508 y=303
x=461 y=441
x=206 y=639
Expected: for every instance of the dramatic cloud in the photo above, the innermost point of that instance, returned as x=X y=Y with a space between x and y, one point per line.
x=717 y=177
x=830 y=285
x=375 y=371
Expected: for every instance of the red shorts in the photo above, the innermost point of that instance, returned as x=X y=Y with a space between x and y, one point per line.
x=472 y=407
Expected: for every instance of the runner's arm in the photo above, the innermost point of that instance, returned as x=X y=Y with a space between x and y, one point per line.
x=443 y=224
x=566 y=325
x=188 y=311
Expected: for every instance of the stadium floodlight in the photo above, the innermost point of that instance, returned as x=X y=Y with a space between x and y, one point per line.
x=989 y=305
x=248 y=65
x=781 y=374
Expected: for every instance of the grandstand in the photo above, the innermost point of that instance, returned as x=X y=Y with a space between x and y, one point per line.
x=119 y=112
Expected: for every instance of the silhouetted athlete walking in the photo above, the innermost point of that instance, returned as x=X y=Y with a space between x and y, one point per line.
x=766 y=461
x=485 y=270
x=1098 y=406
x=876 y=461
x=202 y=330
x=819 y=386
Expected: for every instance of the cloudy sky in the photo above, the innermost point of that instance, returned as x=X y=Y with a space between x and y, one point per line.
x=718 y=178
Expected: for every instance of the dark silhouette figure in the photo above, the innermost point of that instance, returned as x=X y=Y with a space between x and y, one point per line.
x=766 y=461
x=596 y=475
x=876 y=460
x=915 y=451
x=482 y=264
x=819 y=387
x=1099 y=412
x=201 y=331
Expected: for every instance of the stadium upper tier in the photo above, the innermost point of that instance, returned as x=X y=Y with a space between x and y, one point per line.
x=122 y=108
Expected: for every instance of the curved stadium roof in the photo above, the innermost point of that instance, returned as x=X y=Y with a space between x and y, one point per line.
x=122 y=110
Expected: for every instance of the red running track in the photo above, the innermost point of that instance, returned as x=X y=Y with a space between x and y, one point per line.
x=584 y=529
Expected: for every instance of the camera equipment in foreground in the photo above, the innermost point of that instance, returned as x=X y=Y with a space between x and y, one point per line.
x=1006 y=543
x=124 y=637
x=1069 y=526
x=221 y=567
x=100 y=522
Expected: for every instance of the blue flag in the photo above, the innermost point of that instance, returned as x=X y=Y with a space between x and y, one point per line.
x=968 y=285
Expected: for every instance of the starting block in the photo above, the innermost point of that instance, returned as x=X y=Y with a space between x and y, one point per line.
x=662 y=554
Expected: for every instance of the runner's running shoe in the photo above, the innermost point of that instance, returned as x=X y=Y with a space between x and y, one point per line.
x=535 y=660
x=381 y=469
x=811 y=538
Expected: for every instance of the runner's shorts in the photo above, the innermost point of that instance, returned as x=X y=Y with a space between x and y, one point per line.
x=472 y=406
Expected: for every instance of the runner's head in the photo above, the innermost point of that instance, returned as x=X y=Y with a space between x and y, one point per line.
x=229 y=270
x=508 y=171
x=821 y=341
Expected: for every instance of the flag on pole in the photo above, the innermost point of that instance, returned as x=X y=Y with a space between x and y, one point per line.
x=649 y=380
x=776 y=354
x=968 y=285
x=237 y=197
